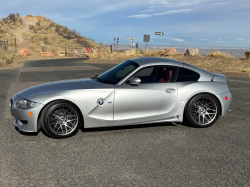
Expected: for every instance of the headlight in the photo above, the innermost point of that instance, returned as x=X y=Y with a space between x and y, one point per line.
x=22 y=103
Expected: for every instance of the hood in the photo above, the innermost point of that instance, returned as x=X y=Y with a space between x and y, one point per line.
x=60 y=86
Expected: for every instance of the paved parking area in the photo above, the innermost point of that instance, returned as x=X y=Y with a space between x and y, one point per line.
x=143 y=155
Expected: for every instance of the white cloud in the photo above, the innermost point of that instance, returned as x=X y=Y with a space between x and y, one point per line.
x=140 y=16
x=160 y=3
x=204 y=39
x=172 y=12
x=154 y=6
x=148 y=10
x=177 y=39
x=240 y=39
x=221 y=3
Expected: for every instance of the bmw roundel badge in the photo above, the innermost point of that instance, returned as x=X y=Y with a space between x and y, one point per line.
x=100 y=101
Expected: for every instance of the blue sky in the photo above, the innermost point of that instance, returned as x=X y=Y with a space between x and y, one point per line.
x=188 y=23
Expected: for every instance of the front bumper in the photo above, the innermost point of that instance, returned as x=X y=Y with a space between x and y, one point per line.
x=23 y=121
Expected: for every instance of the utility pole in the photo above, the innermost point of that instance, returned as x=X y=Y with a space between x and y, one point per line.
x=158 y=42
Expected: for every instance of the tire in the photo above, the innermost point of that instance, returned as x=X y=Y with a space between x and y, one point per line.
x=60 y=119
x=202 y=110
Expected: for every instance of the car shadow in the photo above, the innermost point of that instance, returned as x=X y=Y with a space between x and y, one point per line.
x=27 y=133
x=113 y=128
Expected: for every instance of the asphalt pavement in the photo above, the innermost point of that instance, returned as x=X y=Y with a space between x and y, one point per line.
x=143 y=155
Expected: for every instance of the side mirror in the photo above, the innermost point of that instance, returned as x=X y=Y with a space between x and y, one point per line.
x=135 y=81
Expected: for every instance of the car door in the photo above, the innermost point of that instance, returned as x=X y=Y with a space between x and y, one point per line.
x=154 y=97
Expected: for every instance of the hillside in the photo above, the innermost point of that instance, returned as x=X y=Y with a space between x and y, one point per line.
x=32 y=31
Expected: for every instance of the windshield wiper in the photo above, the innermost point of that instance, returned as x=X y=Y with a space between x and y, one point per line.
x=94 y=77
x=100 y=80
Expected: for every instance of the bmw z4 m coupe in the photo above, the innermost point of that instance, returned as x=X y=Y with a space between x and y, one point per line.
x=137 y=91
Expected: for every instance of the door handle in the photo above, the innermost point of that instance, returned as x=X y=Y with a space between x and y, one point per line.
x=170 y=90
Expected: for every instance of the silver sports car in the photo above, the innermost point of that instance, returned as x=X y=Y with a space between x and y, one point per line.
x=137 y=91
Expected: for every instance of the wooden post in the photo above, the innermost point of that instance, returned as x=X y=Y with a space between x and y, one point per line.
x=15 y=45
x=65 y=49
x=7 y=43
x=111 y=48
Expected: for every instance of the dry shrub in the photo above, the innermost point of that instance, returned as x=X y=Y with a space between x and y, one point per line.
x=13 y=19
x=31 y=27
x=219 y=54
x=7 y=57
x=52 y=24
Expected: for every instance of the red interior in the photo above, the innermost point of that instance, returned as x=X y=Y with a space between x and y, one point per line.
x=167 y=76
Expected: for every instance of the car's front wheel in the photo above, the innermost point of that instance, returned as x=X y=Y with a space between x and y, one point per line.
x=202 y=110
x=60 y=119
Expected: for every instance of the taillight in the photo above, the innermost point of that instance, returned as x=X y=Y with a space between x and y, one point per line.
x=226 y=98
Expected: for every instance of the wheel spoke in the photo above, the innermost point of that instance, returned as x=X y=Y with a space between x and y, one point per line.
x=210 y=113
x=71 y=116
x=199 y=106
x=70 y=127
x=71 y=123
x=66 y=129
x=72 y=120
x=53 y=119
x=66 y=111
x=206 y=118
x=62 y=113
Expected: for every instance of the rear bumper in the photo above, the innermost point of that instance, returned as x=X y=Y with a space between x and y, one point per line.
x=225 y=104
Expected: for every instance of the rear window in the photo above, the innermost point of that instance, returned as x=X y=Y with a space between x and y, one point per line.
x=186 y=75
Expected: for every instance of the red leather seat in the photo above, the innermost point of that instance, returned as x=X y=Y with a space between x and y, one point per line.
x=167 y=76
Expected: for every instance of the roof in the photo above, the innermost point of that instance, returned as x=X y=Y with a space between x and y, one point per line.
x=150 y=60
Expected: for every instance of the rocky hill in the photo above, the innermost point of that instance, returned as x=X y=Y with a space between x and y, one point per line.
x=32 y=31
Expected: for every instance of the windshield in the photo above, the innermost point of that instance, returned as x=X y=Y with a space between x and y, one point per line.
x=118 y=72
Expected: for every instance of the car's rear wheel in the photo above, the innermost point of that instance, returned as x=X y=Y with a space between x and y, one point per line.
x=60 y=119
x=202 y=110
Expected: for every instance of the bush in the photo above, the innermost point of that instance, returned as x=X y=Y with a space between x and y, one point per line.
x=58 y=28
x=1 y=30
x=219 y=54
x=38 y=23
x=6 y=57
x=52 y=24
x=31 y=27
x=46 y=41
x=12 y=17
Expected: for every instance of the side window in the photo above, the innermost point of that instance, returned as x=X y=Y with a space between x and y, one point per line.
x=186 y=75
x=156 y=74
x=145 y=72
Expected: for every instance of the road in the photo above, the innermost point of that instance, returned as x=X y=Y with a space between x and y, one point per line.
x=144 y=155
